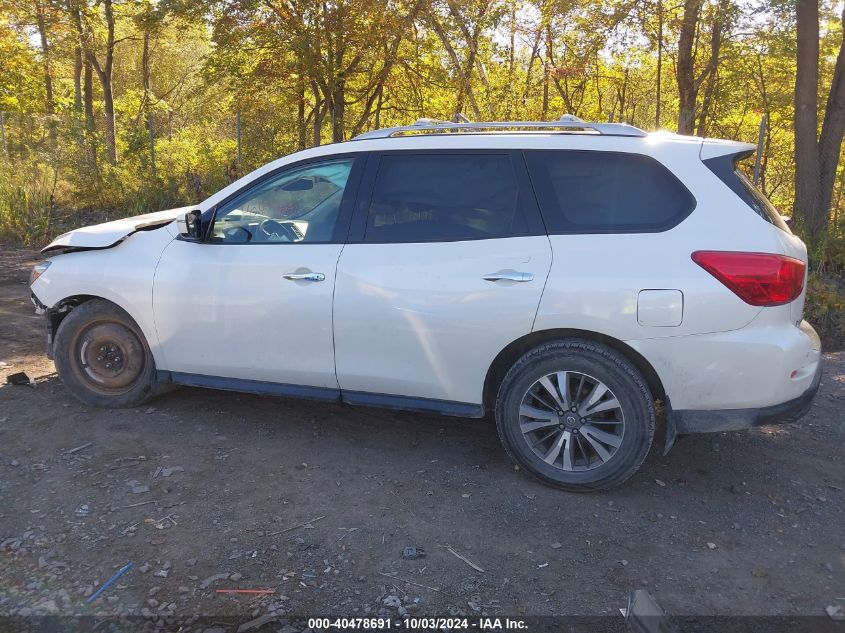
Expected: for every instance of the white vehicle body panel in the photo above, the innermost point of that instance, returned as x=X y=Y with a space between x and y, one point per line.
x=121 y=275
x=432 y=330
x=111 y=233
x=741 y=369
x=245 y=319
x=417 y=320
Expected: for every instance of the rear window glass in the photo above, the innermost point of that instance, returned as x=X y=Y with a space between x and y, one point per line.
x=606 y=192
x=758 y=201
x=442 y=197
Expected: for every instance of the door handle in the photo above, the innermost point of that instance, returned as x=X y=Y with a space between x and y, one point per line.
x=305 y=276
x=509 y=276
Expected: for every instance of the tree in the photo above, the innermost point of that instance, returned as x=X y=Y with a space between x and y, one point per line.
x=690 y=81
x=816 y=154
x=104 y=70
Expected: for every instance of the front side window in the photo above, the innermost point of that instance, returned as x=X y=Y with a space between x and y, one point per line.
x=444 y=197
x=298 y=205
x=606 y=192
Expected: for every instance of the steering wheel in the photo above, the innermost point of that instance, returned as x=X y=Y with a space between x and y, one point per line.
x=274 y=228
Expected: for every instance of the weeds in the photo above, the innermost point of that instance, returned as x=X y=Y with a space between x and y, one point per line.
x=26 y=204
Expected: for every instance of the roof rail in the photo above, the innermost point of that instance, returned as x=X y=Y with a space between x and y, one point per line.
x=568 y=124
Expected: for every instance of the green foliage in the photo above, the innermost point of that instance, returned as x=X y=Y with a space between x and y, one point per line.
x=825 y=309
x=26 y=204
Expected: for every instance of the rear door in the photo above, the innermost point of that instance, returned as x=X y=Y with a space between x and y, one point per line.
x=445 y=266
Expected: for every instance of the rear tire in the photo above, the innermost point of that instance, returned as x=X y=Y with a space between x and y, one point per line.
x=576 y=414
x=102 y=357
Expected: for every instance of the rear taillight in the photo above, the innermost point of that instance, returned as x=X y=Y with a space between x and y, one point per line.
x=761 y=279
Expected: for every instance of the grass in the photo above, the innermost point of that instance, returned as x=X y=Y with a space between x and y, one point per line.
x=26 y=205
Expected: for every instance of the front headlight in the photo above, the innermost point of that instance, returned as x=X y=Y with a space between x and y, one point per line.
x=38 y=270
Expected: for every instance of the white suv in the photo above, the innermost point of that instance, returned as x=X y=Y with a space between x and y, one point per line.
x=565 y=276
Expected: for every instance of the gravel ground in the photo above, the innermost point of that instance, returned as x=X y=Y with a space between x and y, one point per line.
x=204 y=490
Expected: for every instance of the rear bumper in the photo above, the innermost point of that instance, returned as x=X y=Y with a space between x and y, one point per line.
x=694 y=421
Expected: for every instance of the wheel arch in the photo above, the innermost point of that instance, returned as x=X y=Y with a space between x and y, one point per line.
x=57 y=313
x=512 y=352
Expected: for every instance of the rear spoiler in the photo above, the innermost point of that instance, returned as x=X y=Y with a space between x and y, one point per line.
x=721 y=158
x=714 y=148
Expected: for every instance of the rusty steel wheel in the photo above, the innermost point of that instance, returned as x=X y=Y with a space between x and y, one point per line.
x=109 y=357
x=102 y=357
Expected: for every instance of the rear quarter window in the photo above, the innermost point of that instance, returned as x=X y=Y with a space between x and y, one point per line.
x=728 y=169
x=606 y=192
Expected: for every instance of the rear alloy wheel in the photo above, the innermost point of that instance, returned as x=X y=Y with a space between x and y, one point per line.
x=576 y=414
x=572 y=421
x=101 y=356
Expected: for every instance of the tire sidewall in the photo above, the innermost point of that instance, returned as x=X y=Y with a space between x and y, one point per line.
x=603 y=364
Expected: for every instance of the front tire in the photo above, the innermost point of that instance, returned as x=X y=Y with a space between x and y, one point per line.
x=576 y=414
x=102 y=357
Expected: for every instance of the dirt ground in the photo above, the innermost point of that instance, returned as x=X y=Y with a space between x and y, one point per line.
x=205 y=490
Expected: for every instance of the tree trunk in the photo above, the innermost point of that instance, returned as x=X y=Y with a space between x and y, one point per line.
x=104 y=73
x=108 y=119
x=318 y=115
x=807 y=205
x=300 y=112
x=77 y=79
x=685 y=69
x=40 y=20
x=465 y=86
x=833 y=128
x=145 y=80
x=88 y=106
x=706 y=102
x=3 y=148
x=659 y=63
x=337 y=95
x=338 y=109
x=78 y=128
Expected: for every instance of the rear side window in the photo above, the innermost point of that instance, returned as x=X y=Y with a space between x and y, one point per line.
x=444 y=197
x=606 y=192
x=728 y=170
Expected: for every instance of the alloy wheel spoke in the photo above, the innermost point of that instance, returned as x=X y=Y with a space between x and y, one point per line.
x=595 y=395
x=582 y=449
x=568 y=450
x=602 y=436
x=537 y=414
x=546 y=382
x=580 y=387
x=601 y=450
x=534 y=394
x=544 y=438
x=607 y=405
x=530 y=427
x=554 y=452
x=563 y=388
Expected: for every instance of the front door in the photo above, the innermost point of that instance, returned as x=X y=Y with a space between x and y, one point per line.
x=254 y=300
x=445 y=267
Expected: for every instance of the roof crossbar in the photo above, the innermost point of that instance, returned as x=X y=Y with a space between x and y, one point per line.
x=567 y=124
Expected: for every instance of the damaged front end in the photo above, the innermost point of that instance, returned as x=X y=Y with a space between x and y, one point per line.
x=110 y=234
x=52 y=318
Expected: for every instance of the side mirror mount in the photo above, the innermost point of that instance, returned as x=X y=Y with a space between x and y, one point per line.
x=190 y=226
